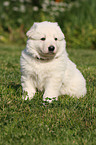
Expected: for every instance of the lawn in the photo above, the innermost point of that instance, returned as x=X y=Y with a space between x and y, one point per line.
x=69 y=121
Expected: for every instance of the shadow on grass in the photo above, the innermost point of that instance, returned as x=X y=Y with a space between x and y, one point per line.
x=14 y=85
x=15 y=88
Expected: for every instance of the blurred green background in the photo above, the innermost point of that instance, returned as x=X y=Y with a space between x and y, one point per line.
x=68 y=121
x=77 y=19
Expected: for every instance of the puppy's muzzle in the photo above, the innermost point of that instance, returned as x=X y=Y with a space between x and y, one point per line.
x=51 y=49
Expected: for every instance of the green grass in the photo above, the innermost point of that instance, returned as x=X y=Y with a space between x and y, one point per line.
x=65 y=122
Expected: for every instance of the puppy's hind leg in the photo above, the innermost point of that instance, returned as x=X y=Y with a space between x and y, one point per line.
x=76 y=86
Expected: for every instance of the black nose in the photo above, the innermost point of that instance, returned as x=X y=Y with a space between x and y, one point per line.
x=51 y=48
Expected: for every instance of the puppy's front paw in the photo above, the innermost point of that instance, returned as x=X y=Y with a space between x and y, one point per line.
x=27 y=94
x=49 y=100
x=26 y=97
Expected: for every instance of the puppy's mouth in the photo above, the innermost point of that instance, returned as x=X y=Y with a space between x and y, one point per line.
x=46 y=56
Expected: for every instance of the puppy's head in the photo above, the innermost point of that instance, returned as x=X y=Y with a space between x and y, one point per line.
x=45 y=40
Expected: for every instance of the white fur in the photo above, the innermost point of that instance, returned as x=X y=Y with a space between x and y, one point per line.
x=52 y=72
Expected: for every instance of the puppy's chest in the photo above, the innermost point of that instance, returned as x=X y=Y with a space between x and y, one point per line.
x=40 y=75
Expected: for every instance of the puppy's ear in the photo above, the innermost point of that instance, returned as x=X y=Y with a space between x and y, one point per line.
x=31 y=31
x=60 y=34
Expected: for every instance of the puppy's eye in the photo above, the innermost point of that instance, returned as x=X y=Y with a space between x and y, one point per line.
x=43 y=39
x=56 y=39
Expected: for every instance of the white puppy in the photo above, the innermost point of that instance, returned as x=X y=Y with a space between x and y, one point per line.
x=45 y=64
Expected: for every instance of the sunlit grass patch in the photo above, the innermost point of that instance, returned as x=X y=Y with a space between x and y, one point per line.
x=66 y=121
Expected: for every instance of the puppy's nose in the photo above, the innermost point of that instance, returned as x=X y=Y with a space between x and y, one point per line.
x=51 y=48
